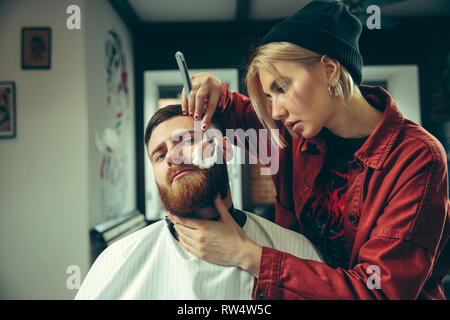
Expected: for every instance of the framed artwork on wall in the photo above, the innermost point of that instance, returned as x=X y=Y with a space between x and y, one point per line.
x=36 y=48
x=7 y=110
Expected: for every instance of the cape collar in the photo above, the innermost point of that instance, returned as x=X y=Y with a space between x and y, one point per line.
x=238 y=216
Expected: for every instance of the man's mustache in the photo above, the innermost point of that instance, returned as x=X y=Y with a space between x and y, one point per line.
x=175 y=168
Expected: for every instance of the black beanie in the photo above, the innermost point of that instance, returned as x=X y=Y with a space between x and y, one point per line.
x=325 y=27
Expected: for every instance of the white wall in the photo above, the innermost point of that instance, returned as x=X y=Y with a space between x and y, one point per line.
x=43 y=171
x=46 y=192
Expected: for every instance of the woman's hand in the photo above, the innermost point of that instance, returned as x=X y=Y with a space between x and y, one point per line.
x=220 y=242
x=203 y=98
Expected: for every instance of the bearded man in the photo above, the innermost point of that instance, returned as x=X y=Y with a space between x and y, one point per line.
x=151 y=263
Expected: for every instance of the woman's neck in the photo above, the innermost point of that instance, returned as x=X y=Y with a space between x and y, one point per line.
x=363 y=118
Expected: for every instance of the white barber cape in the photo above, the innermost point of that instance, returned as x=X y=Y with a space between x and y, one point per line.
x=151 y=264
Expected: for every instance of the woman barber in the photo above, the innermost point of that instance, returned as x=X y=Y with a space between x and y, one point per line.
x=366 y=185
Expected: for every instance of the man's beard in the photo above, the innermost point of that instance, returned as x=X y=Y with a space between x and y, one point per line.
x=194 y=191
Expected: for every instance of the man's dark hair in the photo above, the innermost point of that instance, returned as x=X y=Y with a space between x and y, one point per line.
x=167 y=113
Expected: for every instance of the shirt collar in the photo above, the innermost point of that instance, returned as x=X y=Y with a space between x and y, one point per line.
x=378 y=145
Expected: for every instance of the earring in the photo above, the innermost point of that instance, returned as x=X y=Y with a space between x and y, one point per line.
x=339 y=91
x=337 y=88
x=329 y=91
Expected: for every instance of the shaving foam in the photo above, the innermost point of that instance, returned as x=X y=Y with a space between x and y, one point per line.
x=207 y=162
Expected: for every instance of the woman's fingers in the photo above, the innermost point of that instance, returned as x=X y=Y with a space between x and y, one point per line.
x=200 y=99
x=211 y=105
x=191 y=106
x=203 y=98
x=184 y=102
x=188 y=246
x=193 y=240
x=186 y=232
x=191 y=223
x=222 y=208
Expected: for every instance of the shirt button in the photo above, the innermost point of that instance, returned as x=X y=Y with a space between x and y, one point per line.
x=354 y=219
x=357 y=166
x=308 y=187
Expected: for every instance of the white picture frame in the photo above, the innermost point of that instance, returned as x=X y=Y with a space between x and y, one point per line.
x=403 y=85
x=152 y=81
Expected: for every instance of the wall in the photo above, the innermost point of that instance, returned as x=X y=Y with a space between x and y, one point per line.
x=421 y=42
x=49 y=187
x=43 y=171
x=262 y=190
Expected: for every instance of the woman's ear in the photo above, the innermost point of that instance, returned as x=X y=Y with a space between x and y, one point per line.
x=227 y=149
x=332 y=68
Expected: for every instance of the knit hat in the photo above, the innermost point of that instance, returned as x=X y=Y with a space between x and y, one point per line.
x=325 y=27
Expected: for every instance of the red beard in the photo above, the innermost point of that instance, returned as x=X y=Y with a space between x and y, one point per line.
x=193 y=191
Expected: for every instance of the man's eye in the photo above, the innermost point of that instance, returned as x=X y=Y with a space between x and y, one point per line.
x=160 y=156
x=187 y=141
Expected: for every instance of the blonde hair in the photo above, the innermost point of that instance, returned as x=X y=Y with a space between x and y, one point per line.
x=265 y=57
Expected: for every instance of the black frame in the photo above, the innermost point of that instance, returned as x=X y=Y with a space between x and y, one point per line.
x=49 y=30
x=14 y=120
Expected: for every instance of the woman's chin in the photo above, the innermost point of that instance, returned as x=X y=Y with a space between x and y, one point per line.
x=306 y=134
x=296 y=134
x=292 y=133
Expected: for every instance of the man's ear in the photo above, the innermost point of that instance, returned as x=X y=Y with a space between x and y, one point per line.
x=227 y=149
x=332 y=68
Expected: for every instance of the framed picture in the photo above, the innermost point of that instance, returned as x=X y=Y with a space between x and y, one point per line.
x=7 y=110
x=36 y=48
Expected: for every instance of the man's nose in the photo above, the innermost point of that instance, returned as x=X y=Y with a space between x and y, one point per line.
x=175 y=156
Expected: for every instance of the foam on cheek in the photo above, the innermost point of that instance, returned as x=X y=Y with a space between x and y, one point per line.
x=208 y=162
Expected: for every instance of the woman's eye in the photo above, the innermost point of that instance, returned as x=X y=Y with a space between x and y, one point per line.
x=279 y=90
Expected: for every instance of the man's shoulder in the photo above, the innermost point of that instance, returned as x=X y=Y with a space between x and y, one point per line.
x=125 y=245
x=113 y=263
